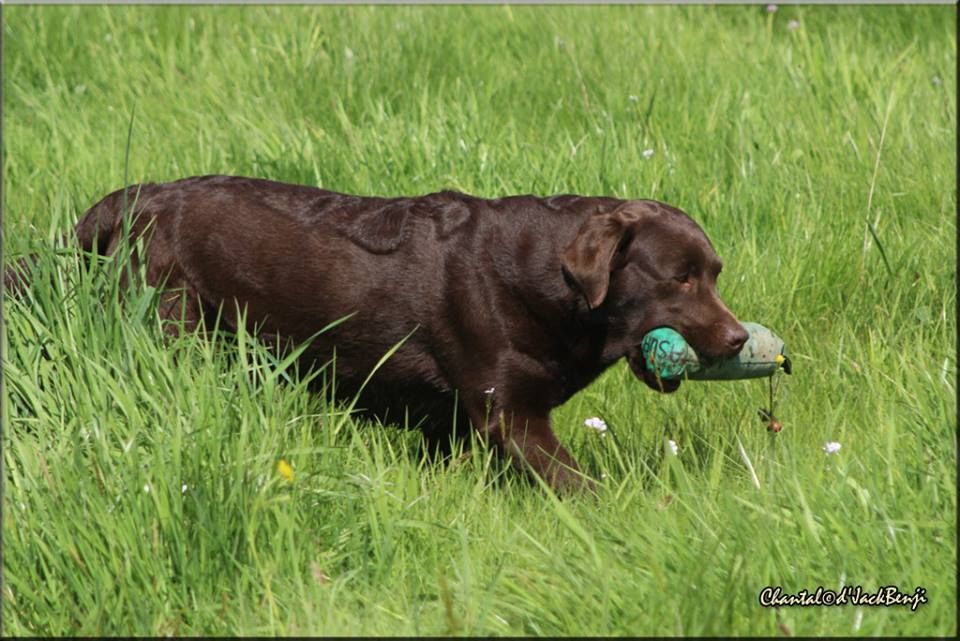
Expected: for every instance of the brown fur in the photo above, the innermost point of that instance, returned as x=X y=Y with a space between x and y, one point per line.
x=529 y=297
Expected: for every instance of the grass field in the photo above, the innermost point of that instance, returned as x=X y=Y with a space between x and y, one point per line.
x=816 y=146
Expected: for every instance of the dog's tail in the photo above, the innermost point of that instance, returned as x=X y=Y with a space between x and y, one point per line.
x=100 y=226
x=95 y=234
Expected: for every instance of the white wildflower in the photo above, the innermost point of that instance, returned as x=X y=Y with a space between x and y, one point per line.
x=648 y=153
x=596 y=423
x=490 y=391
x=831 y=447
x=146 y=488
x=673 y=446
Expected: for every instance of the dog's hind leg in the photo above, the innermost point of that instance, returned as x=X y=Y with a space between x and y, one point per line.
x=182 y=310
x=17 y=275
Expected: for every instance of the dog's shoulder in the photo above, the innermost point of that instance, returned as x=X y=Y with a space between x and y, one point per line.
x=383 y=225
x=378 y=225
x=449 y=210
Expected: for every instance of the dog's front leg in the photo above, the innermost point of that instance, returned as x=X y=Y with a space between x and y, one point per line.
x=527 y=439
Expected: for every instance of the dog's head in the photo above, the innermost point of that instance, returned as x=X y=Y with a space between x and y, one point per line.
x=646 y=265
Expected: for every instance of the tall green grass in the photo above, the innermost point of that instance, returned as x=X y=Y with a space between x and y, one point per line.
x=141 y=487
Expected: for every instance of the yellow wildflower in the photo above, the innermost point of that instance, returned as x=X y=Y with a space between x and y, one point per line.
x=285 y=469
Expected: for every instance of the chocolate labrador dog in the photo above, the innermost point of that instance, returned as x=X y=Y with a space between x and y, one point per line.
x=505 y=307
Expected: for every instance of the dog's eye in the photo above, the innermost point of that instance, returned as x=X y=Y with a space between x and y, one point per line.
x=690 y=272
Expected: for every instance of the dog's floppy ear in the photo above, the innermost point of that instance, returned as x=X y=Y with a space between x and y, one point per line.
x=588 y=260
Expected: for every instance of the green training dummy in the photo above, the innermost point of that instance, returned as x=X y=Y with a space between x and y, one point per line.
x=669 y=355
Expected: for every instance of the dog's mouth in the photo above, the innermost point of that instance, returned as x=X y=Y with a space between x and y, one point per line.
x=638 y=365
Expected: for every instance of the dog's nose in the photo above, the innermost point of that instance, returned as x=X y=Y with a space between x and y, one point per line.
x=736 y=339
